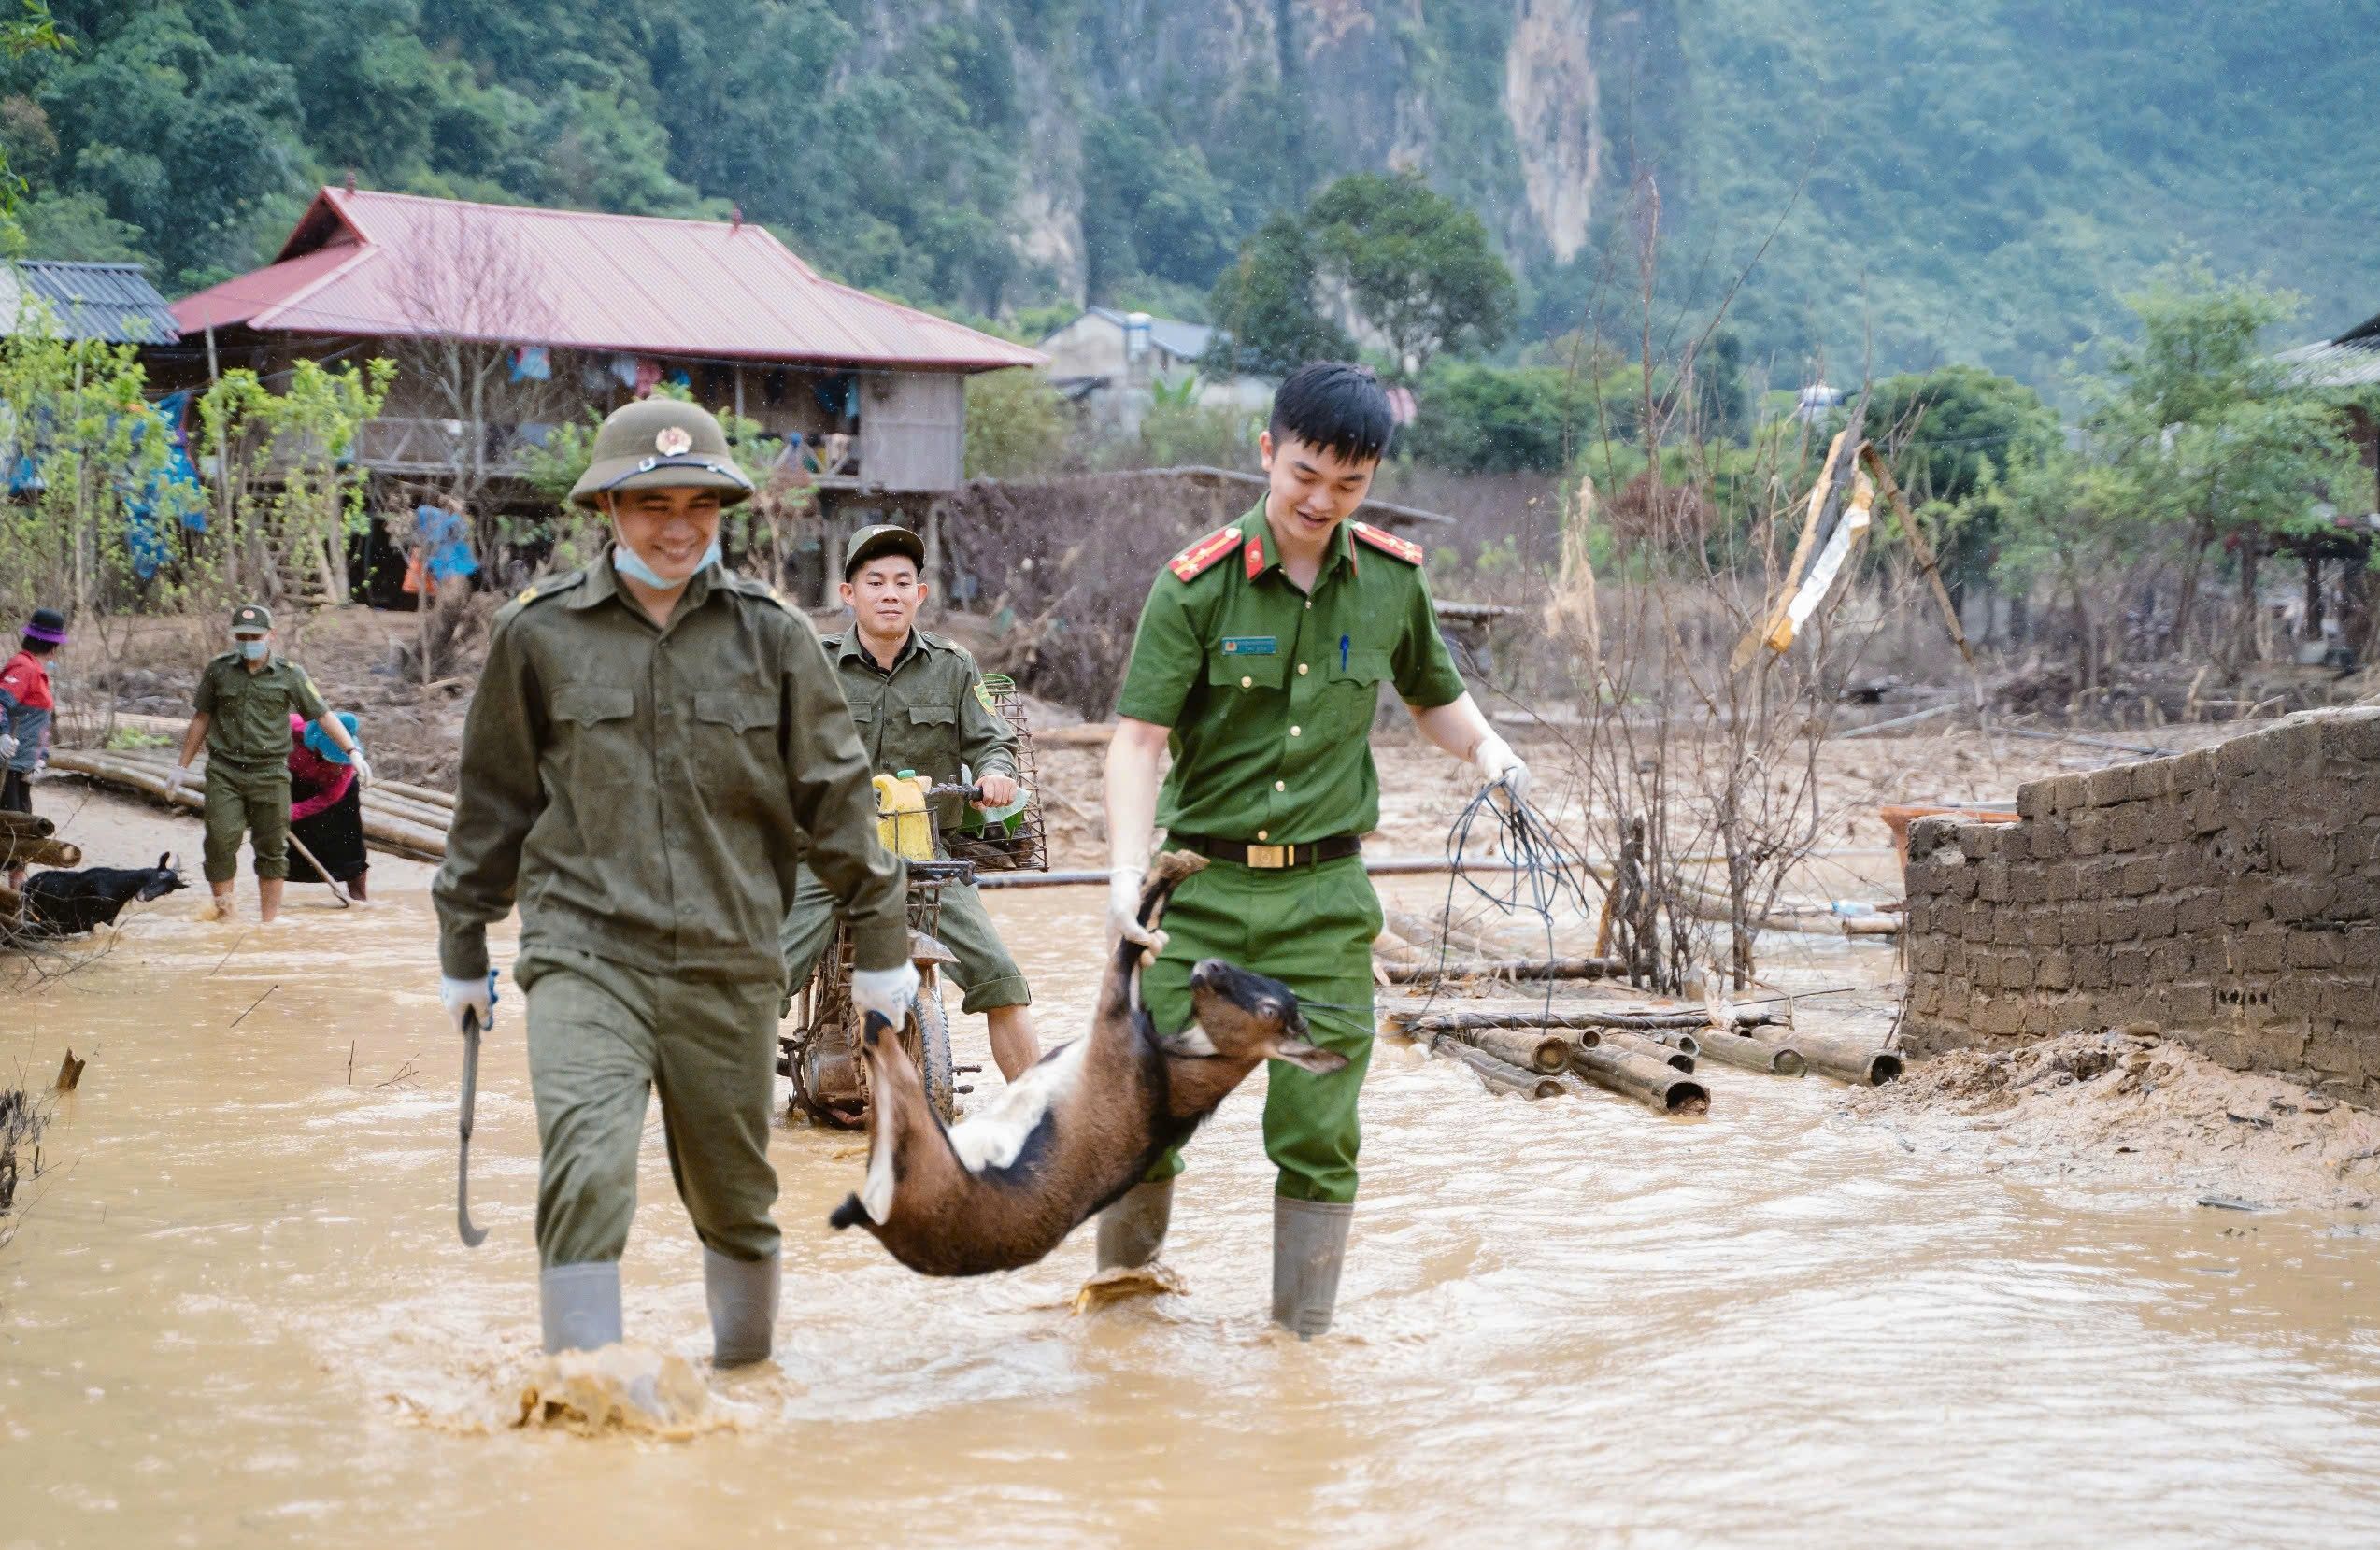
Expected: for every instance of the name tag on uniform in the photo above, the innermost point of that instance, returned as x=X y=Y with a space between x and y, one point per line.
x=1248 y=646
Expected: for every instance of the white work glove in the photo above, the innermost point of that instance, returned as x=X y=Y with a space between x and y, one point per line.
x=1495 y=761
x=7 y=745
x=888 y=992
x=459 y=996
x=175 y=782
x=363 y=768
x=1124 y=884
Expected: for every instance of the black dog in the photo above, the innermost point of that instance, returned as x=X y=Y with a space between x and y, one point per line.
x=68 y=903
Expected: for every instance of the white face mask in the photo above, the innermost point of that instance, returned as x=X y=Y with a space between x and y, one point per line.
x=628 y=563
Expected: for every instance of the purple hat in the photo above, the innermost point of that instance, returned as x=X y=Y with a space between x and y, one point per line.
x=47 y=625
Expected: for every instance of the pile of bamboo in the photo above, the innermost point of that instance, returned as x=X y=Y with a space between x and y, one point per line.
x=28 y=841
x=399 y=819
x=1648 y=1056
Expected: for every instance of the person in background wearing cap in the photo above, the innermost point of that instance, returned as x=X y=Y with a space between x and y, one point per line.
x=654 y=746
x=921 y=706
x=244 y=702
x=26 y=704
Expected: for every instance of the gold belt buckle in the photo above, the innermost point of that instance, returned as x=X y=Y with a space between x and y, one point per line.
x=1269 y=857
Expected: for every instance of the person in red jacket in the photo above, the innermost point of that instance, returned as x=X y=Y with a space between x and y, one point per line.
x=26 y=705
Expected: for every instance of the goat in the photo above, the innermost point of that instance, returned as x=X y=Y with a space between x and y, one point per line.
x=68 y=903
x=1002 y=1188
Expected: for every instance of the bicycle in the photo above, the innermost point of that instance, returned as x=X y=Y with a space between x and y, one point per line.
x=821 y=1056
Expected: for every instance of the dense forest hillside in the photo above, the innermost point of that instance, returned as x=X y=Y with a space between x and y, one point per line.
x=1975 y=182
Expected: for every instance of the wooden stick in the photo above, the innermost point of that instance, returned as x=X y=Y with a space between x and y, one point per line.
x=336 y=892
x=1422 y=1025
x=1751 y=1054
x=1540 y=1052
x=1650 y=1082
x=1510 y=968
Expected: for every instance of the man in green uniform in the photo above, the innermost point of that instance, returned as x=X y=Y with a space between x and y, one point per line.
x=921 y=706
x=654 y=746
x=244 y=702
x=1258 y=663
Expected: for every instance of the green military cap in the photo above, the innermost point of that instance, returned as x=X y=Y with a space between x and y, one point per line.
x=252 y=618
x=883 y=538
x=660 y=444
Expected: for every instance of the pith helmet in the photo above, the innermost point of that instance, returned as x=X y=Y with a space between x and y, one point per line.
x=883 y=538
x=660 y=444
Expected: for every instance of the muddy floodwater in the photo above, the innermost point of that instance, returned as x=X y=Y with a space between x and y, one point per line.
x=238 y=1313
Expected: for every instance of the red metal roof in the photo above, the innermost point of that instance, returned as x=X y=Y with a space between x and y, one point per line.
x=396 y=265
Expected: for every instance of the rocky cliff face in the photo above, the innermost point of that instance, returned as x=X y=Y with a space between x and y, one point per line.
x=1527 y=109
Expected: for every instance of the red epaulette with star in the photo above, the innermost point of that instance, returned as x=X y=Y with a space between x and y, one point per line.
x=1388 y=543
x=1203 y=556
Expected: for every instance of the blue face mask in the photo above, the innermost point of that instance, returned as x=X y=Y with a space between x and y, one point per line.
x=628 y=563
x=254 y=651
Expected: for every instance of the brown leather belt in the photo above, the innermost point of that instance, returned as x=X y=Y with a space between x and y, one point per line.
x=1271 y=858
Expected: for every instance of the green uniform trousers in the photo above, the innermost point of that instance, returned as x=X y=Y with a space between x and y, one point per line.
x=1311 y=928
x=256 y=801
x=602 y=1036
x=990 y=976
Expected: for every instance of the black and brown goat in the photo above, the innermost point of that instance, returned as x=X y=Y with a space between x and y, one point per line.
x=1002 y=1188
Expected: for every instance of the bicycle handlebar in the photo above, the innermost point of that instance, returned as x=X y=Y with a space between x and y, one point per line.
x=972 y=793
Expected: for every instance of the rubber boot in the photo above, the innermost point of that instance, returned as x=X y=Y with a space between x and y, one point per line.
x=1132 y=1231
x=1309 y=1243
x=580 y=1305
x=742 y=1294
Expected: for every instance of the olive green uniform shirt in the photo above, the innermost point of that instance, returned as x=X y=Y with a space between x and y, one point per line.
x=1270 y=692
x=929 y=713
x=248 y=714
x=649 y=793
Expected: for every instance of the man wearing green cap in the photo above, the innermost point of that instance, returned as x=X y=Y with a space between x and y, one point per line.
x=921 y=706
x=655 y=747
x=244 y=702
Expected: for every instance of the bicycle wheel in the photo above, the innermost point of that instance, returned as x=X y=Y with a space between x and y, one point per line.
x=928 y=1038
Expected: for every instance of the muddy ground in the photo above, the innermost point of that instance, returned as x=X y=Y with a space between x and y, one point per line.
x=2156 y=1117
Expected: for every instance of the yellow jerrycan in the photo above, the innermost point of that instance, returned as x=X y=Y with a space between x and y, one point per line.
x=902 y=825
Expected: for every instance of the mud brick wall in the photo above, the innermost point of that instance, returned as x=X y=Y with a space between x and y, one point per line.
x=2229 y=898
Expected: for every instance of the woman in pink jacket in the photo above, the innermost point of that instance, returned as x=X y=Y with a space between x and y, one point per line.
x=326 y=807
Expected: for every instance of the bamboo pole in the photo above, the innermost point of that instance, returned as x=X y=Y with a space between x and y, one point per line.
x=400 y=835
x=1676 y=1038
x=41 y=852
x=26 y=825
x=1845 y=1060
x=1499 y=1075
x=1540 y=1052
x=1647 y=1081
x=1637 y=1043
x=427 y=795
x=1751 y=1054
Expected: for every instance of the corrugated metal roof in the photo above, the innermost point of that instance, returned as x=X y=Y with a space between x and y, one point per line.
x=1183 y=341
x=397 y=265
x=93 y=300
x=2350 y=361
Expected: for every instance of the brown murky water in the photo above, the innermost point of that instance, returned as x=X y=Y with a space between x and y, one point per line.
x=242 y=1316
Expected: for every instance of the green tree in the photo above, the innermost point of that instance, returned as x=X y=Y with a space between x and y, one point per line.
x=1417 y=266
x=1150 y=206
x=1267 y=305
x=2204 y=434
x=1949 y=433
x=1017 y=427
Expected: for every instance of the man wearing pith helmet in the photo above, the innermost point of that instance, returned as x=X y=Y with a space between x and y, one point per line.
x=655 y=748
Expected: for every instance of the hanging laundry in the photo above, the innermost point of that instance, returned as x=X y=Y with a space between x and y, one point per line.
x=625 y=368
x=679 y=379
x=530 y=363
